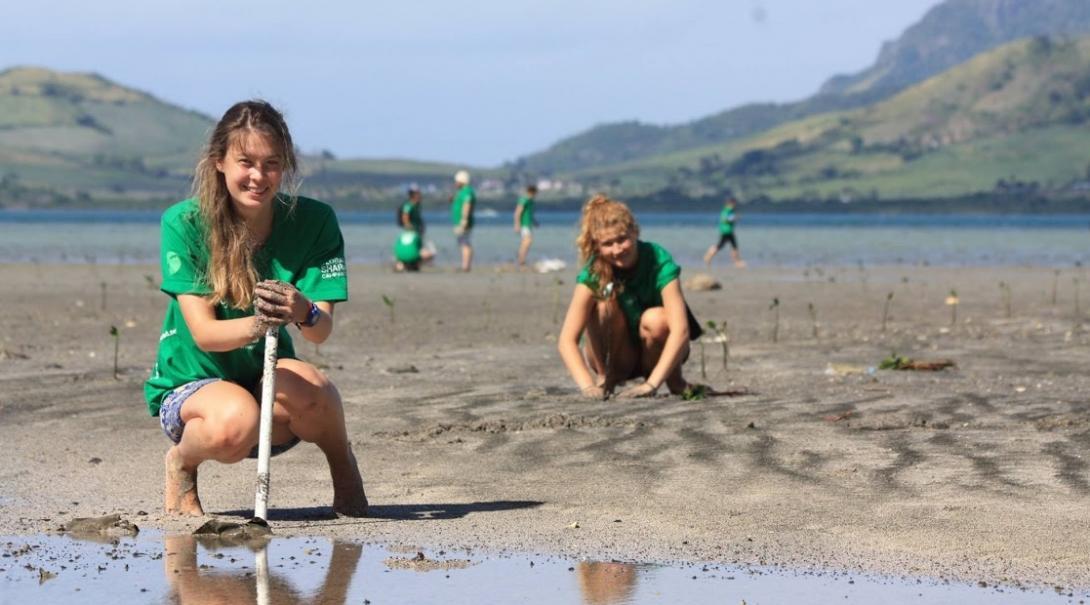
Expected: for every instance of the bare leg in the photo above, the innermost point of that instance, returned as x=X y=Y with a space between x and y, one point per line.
x=710 y=254
x=654 y=330
x=220 y=424
x=467 y=257
x=180 y=488
x=737 y=258
x=524 y=249
x=316 y=415
x=609 y=349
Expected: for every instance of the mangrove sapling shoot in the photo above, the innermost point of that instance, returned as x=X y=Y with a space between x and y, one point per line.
x=813 y=319
x=102 y=286
x=952 y=302
x=117 y=344
x=389 y=302
x=722 y=338
x=1055 y=285
x=775 y=308
x=885 y=311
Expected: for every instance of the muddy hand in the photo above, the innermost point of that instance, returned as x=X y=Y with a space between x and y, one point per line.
x=595 y=392
x=644 y=389
x=261 y=325
x=280 y=301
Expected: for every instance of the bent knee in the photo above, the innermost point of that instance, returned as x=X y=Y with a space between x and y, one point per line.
x=231 y=440
x=304 y=389
x=653 y=324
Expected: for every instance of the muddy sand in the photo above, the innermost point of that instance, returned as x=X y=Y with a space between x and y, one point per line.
x=470 y=434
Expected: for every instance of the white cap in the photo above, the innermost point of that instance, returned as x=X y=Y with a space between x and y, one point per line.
x=461 y=177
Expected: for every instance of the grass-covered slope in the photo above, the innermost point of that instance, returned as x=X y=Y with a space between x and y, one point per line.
x=948 y=35
x=1016 y=117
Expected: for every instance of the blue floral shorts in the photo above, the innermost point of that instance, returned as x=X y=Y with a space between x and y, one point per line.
x=170 y=415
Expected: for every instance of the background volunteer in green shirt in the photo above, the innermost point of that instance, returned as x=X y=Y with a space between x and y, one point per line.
x=727 y=218
x=525 y=223
x=409 y=250
x=237 y=258
x=462 y=205
x=629 y=303
x=411 y=214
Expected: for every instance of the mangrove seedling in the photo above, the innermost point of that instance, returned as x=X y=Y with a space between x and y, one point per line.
x=389 y=302
x=952 y=302
x=885 y=311
x=894 y=362
x=723 y=338
x=813 y=319
x=102 y=286
x=694 y=392
x=117 y=344
x=1055 y=285
x=775 y=308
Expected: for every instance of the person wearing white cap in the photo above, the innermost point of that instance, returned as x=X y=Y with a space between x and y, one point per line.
x=462 y=205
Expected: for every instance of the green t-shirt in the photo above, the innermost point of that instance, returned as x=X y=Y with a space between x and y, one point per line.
x=407 y=246
x=415 y=219
x=726 y=220
x=527 y=218
x=639 y=288
x=464 y=196
x=305 y=249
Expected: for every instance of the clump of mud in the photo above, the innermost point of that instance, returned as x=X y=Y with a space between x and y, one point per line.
x=111 y=526
x=422 y=563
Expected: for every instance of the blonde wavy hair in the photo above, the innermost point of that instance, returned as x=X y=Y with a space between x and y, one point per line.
x=601 y=213
x=231 y=272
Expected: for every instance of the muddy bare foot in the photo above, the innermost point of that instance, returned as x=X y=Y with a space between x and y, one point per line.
x=180 y=488
x=348 y=497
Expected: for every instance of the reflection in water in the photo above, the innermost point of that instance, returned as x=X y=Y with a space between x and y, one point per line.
x=193 y=584
x=606 y=583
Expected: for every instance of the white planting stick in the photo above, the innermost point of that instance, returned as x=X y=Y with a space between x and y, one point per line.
x=264 y=442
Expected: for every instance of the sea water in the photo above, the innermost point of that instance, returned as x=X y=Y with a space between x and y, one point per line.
x=789 y=239
x=153 y=568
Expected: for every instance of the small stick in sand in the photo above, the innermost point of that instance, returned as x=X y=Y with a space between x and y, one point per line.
x=775 y=308
x=389 y=302
x=117 y=344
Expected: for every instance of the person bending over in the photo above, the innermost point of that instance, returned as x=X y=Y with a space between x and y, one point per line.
x=629 y=304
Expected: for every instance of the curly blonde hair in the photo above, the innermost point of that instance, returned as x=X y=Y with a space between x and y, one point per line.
x=231 y=272
x=601 y=213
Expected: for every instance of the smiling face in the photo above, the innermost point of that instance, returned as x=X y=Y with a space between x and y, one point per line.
x=253 y=169
x=617 y=246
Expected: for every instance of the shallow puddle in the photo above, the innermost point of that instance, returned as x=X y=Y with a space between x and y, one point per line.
x=152 y=568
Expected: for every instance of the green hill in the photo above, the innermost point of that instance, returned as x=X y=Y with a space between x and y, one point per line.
x=947 y=35
x=1013 y=119
x=80 y=138
x=80 y=134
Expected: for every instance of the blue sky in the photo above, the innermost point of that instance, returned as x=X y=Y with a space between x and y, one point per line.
x=475 y=82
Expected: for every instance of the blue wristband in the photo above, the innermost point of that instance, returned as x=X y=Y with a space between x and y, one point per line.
x=312 y=317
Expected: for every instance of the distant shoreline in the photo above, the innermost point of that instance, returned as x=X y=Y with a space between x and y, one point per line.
x=978 y=204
